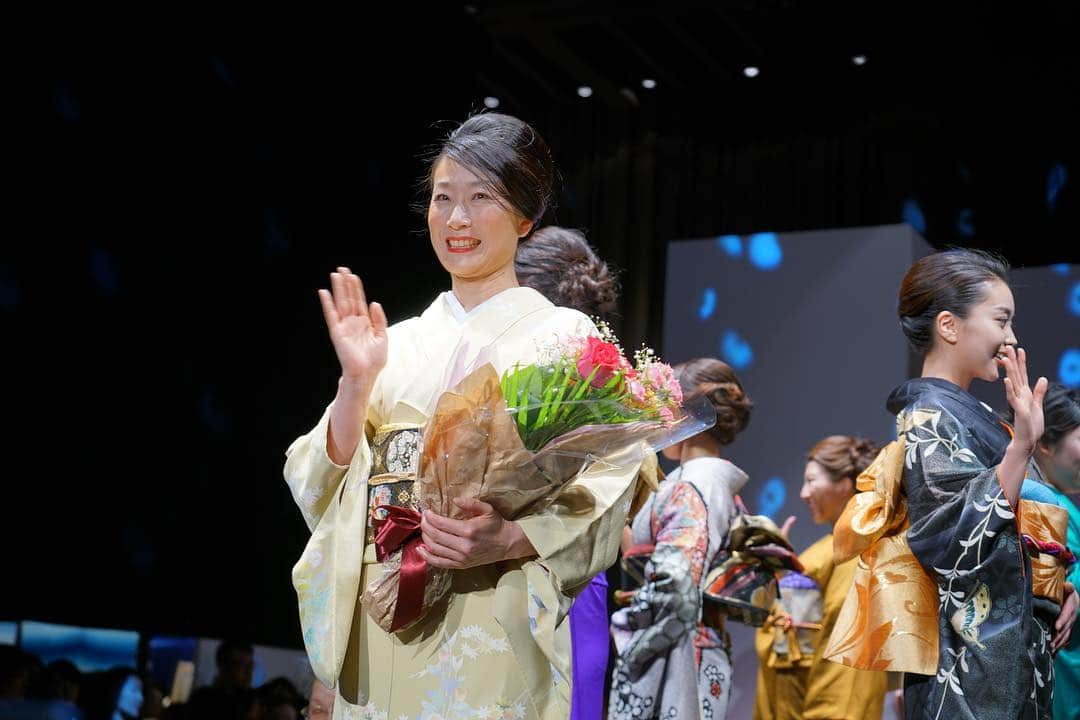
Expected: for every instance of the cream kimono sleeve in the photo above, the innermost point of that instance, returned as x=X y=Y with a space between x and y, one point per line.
x=313 y=478
x=333 y=500
x=574 y=547
x=571 y=547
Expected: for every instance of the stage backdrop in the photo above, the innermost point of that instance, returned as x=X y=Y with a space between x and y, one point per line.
x=808 y=320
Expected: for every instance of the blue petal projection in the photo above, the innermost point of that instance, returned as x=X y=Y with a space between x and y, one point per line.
x=771 y=497
x=1069 y=368
x=1054 y=182
x=708 y=304
x=912 y=214
x=735 y=351
x=765 y=252
x=730 y=244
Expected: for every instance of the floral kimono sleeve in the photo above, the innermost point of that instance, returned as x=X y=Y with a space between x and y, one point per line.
x=668 y=605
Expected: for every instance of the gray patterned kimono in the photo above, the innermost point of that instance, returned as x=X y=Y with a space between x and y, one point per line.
x=995 y=661
x=670 y=665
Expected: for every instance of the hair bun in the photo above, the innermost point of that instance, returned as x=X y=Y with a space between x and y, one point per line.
x=716 y=381
x=560 y=264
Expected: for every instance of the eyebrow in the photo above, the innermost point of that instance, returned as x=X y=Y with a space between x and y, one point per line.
x=1004 y=309
x=471 y=183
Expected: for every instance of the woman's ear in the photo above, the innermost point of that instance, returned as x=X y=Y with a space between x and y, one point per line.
x=850 y=482
x=525 y=226
x=947 y=326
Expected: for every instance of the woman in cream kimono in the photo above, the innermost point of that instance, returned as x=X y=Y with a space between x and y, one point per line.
x=498 y=646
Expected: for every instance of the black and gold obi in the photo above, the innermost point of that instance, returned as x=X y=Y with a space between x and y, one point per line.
x=395 y=458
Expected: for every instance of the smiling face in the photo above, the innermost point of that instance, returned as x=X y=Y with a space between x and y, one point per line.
x=824 y=496
x=981 y=337
x=474 y=232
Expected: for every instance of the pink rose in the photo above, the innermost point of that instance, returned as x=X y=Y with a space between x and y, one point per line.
x=604 y=357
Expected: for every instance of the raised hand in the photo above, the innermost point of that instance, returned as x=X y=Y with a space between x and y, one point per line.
x=357 y=330
x=1026 y=402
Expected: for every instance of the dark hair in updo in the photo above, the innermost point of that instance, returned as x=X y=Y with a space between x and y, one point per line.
x=507 y=154
x=560 y=264
x=1061 y=409
x=716 y=381
x=952 y=280
x=843 y=456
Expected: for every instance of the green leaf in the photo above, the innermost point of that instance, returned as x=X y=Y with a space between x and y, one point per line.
x=557 y=404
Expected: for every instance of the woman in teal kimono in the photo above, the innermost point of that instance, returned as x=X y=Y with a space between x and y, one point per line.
x=1057 y=469
x=963 y=473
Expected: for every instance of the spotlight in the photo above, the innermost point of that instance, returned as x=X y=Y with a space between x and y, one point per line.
x=491 y=102
x=859 y=59
x=584 y=91
x=750 y=71
x=648 y=83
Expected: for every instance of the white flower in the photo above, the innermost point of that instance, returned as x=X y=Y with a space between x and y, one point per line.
x=470 y=631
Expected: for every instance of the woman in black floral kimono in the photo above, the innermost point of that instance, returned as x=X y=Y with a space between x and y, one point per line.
x=963 y=475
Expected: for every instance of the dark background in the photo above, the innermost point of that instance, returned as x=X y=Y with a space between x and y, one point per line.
x=180 y=185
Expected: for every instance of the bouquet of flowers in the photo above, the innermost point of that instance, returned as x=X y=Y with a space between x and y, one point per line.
x=517 y=442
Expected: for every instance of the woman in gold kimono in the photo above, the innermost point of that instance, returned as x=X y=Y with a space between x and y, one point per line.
x=794 y=679
x=498 y=646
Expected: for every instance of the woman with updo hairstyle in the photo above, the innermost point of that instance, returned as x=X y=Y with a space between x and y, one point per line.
x=671 y=663
x=794 y=679
x=497 y=645
x=560 y=264
x=971 y=600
